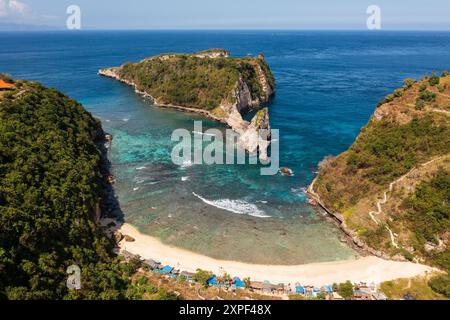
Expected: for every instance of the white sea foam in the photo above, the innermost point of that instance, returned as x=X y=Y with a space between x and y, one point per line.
x=184 y=178
x=151 y=183
x=141 y=168
x=204 y=133
x=139 y=180
x=186 y=164
x=262 y=201
x=136 y=189
x=235 y=206
x=125 y=119
x=300 y=192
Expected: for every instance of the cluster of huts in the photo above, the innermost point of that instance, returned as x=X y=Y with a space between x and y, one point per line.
x=361 y=291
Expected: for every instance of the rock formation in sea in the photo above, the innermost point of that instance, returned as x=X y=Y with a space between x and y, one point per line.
x=211 y=83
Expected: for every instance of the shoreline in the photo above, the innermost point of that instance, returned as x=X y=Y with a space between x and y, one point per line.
x=353 y=239
x=109 y=73
x=366 y=269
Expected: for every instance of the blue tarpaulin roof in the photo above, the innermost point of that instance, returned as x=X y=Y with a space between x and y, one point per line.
x=300 y=289
x=166 y=270
x=328 y=288
x=212 y=281
x=238 y=283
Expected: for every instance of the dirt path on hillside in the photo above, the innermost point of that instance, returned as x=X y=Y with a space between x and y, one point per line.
x=384 y=200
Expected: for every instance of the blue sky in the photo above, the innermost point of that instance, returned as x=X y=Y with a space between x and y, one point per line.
x=230 y=14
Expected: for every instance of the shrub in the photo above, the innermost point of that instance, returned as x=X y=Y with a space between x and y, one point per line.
x=434 y=80
x=202 y=276
x=420 y=104
x=409 y=82
x=427 y=96
x=398 y=93
x=441 y=284
x=424 y=97
x=422 y=87
x=442 y=87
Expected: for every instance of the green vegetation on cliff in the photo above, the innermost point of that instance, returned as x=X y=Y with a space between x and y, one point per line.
x=50 y=188
x=386 y=150
x=428 y=210
x=391 y=187
x=192 y=80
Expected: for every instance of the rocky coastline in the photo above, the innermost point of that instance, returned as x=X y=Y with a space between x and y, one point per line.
x=353 y=240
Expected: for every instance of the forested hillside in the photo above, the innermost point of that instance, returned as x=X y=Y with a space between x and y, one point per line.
x=51 y=186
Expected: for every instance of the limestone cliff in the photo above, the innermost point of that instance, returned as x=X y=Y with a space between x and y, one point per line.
x=208 y=82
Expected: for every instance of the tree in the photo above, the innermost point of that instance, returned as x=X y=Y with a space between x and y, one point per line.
x=202 y=276
x=346 y=290
x=225 y=279
x=247 y=282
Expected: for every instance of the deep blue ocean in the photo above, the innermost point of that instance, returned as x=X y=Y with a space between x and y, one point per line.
x=328 y=84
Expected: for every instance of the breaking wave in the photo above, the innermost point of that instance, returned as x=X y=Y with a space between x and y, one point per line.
x=204 y=133
x=235 y=206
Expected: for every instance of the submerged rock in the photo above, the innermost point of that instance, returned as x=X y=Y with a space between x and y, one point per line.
x=286 y=171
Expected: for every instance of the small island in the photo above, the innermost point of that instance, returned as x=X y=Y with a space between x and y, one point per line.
x=208 y=82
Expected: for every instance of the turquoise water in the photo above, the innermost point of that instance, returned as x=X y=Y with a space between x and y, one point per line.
x=328 y=84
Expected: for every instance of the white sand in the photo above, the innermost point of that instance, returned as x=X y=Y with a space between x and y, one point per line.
x=366 y=269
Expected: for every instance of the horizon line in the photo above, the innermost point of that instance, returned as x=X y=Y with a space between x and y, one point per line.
x=52 y=29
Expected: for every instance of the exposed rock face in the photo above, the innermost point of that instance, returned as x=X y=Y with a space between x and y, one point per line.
x=255 y=136
x=213 y=53
x=231 y=109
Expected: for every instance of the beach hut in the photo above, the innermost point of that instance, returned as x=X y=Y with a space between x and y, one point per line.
x=152 y=264
x=212 y=281
x=267 y=287
x=300 y=289
x=327 y=289
x=256 y=285
x=189 y=276
x=362 y=295
x=165 y=270
x=279 y=287
x=238 y=283
x=315 y=292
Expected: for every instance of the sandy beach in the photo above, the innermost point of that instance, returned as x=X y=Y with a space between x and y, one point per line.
x=367 y=269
